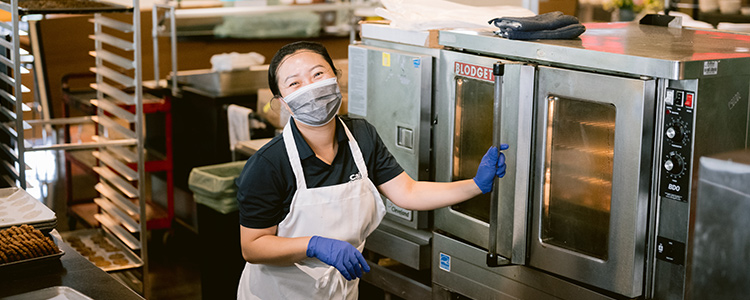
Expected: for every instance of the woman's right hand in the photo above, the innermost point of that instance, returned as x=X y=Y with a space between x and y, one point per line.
x=491 y=166
x=339 y=254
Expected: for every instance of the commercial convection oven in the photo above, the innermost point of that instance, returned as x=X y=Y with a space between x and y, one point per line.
x=604 y=132
x=391 y=84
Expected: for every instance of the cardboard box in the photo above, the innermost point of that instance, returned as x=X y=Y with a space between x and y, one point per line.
x=568 y=7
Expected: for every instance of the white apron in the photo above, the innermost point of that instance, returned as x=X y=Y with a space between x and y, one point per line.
x=348 y=212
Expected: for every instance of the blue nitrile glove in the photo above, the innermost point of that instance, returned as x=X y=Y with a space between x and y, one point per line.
x=492 y=164
x=339 y=254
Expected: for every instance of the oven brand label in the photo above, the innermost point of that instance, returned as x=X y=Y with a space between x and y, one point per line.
x=474 y=71
x=445 y=262
x=398 y=211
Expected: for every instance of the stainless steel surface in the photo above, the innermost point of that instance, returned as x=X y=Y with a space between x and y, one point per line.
x=621 y=268
x=55 y=292
x=392 y=89
x=629 y=48
x=391 y=85
x=652 y=217
x=408 y=246
x=159 y=13
x=249 y=147
x=497 y=71
x=718 y=123
x=464 y=123
x=721 y=240
x=236 y=82
x=195 y=20
x=395 y=283
x=459 y=267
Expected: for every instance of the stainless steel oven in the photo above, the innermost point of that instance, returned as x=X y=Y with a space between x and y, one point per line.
x=604 y=133
x=391 y=86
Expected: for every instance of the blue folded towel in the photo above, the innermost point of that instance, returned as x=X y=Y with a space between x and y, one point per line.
x=553 y=25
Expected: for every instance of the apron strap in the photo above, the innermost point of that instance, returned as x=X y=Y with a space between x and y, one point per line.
x=294 y=160
x=356 y=152
x=291 y=151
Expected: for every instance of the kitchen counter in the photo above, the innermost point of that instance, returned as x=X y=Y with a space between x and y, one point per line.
x=249 y=148
x=71 y=270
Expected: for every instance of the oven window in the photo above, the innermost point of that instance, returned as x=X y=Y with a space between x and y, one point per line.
x=578 y=175
x=472 y=138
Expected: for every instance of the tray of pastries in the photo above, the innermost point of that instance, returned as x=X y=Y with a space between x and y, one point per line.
x=19 y=207
x=25 y=244
x=102 y=249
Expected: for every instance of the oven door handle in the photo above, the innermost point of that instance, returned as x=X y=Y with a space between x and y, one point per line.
x=493 y=259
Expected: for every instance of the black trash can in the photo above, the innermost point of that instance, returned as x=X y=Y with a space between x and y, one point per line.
x=221 y=261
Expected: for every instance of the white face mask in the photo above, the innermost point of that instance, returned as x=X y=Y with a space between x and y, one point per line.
x=315 y=104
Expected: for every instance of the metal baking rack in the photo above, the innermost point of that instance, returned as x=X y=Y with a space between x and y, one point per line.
x=119 y=142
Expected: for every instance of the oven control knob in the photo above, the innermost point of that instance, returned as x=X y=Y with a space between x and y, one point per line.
x=677 y=132
x=674 y=164
x=674 y=133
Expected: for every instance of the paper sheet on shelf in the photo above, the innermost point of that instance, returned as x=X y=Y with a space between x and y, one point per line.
x=437 y=14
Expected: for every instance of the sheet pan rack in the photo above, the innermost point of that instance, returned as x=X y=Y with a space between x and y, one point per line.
x=119 y=143
x=11 y=100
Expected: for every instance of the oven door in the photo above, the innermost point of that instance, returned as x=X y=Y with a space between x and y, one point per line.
x=465 y=113
x=592 y=180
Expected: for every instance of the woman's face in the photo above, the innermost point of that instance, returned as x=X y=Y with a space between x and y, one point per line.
x=300 y=69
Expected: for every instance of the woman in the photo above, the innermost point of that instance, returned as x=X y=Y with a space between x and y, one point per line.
x=310 y=197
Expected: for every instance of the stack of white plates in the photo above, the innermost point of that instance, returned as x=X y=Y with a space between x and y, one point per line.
x=739 y=27
x=19 y=207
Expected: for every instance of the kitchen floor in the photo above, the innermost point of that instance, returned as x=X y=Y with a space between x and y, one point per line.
x=174 y=270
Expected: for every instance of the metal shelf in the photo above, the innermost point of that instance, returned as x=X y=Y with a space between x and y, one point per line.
x=166 y=16
x=119 y=143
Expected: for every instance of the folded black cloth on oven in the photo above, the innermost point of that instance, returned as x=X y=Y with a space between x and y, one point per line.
x=567 y=32
x=553 y=25
x=548 y=21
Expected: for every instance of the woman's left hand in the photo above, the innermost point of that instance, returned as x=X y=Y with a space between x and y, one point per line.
x=339 y=254
x=492 y=164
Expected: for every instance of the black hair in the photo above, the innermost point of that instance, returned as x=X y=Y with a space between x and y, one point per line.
x=289 y=49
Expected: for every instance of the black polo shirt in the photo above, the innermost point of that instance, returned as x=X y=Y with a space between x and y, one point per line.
x=267 y=184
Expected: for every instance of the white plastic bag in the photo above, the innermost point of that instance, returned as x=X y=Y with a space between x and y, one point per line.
x=235 y=61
